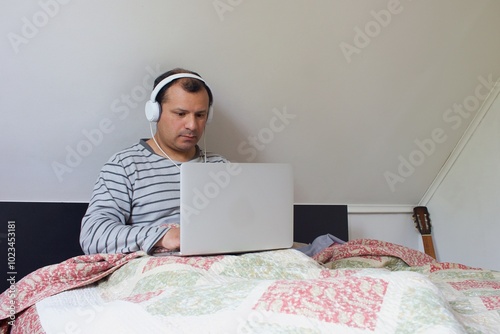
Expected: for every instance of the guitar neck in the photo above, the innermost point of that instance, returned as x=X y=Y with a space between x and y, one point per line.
x=423 y=224
x=428 y=245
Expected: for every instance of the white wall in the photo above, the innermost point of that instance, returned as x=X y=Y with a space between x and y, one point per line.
x=465 y=206
x=354 y=87
x=395 y=227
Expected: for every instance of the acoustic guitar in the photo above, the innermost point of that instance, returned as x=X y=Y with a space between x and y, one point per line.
x=423 y=224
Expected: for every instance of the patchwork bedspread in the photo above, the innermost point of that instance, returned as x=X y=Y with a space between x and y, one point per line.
x=363 y=286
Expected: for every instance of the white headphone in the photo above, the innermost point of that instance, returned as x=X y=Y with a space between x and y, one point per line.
x=153 y=108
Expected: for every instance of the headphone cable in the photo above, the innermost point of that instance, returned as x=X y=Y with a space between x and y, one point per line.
x=166 y=155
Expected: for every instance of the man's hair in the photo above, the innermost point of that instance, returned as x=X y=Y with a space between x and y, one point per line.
x=191 y=85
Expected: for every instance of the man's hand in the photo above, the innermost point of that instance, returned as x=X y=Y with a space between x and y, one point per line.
x=171 y=240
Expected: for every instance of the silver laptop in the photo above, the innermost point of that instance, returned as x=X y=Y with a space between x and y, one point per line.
x=235 y=207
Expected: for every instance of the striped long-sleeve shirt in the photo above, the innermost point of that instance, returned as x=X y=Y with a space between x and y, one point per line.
x=136 y=192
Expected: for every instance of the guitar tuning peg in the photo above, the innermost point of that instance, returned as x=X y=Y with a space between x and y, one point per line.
x=415 y=223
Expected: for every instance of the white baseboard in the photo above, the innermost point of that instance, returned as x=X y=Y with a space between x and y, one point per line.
x=379 y=209
x=371 y=208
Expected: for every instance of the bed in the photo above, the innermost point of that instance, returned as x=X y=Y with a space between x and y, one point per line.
x=361 y=286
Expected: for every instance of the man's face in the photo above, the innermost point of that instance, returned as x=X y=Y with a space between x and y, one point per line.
x=182 y=121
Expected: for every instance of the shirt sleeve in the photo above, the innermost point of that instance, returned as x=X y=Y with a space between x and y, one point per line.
x=104 y=227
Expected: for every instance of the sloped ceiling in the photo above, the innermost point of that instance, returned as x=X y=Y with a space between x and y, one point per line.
x=366 y=99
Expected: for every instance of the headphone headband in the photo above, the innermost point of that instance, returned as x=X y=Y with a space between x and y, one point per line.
x=153 y=108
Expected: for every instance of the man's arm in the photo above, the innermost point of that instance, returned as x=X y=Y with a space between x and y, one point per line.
x=102 y=234
x=104 y=226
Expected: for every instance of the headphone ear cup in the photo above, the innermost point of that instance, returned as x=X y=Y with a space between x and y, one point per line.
x=210 y=114
x=152 y=110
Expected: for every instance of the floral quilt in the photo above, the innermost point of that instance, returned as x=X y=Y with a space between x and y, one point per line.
x=363 y=286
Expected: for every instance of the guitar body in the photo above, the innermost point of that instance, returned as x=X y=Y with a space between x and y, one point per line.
x=423 y=224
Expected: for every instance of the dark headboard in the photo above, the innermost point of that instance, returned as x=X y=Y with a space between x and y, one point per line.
x=47 y=233
x=313 y=220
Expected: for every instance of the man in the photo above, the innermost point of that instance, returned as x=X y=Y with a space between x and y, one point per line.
x=135 y=202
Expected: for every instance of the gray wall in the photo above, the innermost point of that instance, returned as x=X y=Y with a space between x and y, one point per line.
x=362 y=97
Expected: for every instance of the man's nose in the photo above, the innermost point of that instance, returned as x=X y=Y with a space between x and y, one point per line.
x=191 y=122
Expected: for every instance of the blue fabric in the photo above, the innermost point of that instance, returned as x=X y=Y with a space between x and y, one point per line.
x=319 y=244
